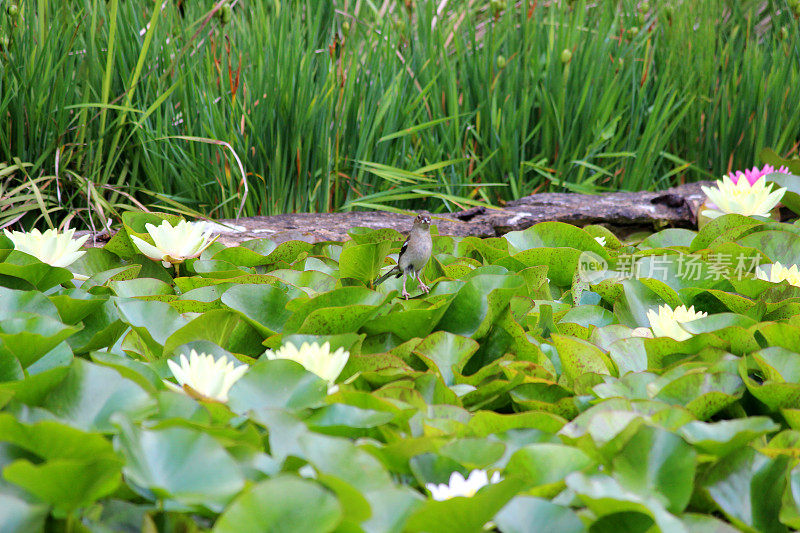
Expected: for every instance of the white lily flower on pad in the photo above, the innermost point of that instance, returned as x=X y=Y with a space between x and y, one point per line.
x=55 y=248
x=668 y=322
x=742 y=198
x=778 y=273
x=458 y=486
x=204 y=376
x=316 y=359
x=175 y=244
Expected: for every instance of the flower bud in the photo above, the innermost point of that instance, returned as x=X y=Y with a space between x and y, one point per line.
x=566 y=55
x=501 y=62
x=345 y=28
x=783 y=34
x=633 y=31
x=12 y=10
x=644 y=7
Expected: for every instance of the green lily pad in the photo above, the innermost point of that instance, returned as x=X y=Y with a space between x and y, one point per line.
x=28 y=301
x=154 y=321
x=669 y=237
x=703 y=394
x=339 y=311
x=74 y=468
x=488 y=250
x=140 y=287
x=655 y=461
x=363 y=261
x=75 y=304
x=460 y=513
x=263 y=305
x=363 y=235
x=280 y=504
x=446 y=353
x=604 y=495
x=478 y=303
x=561 y=263
x=276 y=383
x=27 y=336
x=545 y=463
x=727 y=227
x=222 y=327
x=723 y=437
x=524 y=513
x=179 y=464
x=411 y=322
x=747 y=487
x=779 y=246
x=554 y=235
x=579 y=357
x=32 y=272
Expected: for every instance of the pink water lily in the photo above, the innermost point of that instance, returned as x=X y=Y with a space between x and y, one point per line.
x=754 y=174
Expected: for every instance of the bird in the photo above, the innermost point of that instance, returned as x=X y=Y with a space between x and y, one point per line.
x=414 y=254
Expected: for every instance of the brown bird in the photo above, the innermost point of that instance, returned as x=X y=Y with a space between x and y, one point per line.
x=414 y=254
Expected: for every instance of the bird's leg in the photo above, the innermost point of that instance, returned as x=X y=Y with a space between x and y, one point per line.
x=422 y=286
x=405 y=292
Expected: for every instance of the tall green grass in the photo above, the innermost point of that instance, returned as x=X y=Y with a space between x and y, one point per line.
x=397 y=112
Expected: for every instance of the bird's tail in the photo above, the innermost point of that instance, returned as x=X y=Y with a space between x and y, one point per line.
x=393 y=272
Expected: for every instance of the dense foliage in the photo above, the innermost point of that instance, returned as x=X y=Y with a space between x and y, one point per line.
x=335 y=105
x=521 y=361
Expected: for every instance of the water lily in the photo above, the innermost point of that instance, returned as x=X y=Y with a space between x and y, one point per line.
x=752 y=175
x=741 y=198
x=458 y=486
x=55 y=248
x=175 y=244
x=205 y=377
x=668 y=322
x=315 y=358
x=600 y=240
x=778 y=273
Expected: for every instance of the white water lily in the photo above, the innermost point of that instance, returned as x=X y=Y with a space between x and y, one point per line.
x=668 y=322
x=779 y=273
x=742 y=198
x=315 y=358
x=204 y=376
x=600 y=240
x=51 y=247
x=175 y=244
x=458 y=486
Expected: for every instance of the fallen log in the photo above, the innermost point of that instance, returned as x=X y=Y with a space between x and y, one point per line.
x=622 y=211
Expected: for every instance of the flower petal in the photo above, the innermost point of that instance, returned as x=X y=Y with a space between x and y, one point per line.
x=147 y=249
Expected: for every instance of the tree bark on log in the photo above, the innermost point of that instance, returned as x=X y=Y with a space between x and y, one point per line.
x=620 y=211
